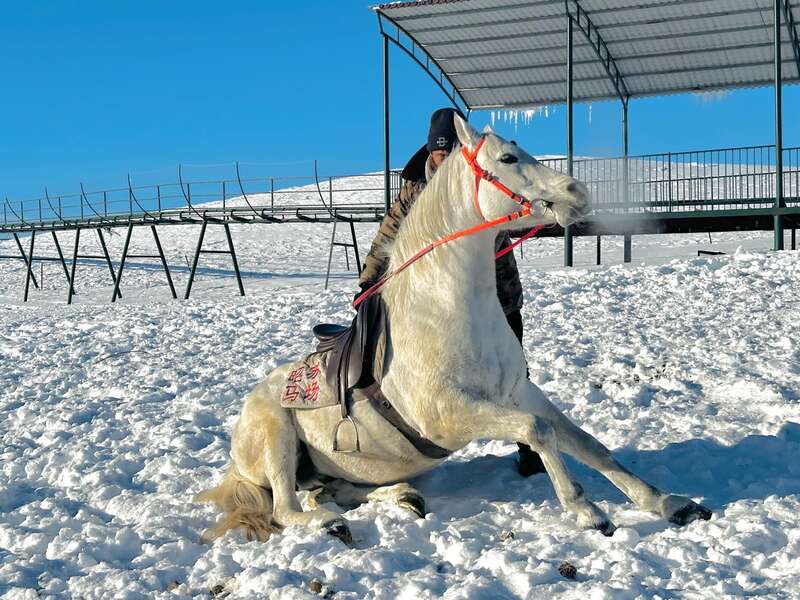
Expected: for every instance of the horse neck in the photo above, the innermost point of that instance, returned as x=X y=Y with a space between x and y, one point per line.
x=454 y=275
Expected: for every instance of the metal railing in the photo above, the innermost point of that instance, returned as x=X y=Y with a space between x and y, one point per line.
x=676 y=182
x=670 y=183
x=283 y=198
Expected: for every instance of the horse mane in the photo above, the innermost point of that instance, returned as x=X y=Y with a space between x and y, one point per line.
x=439 y=209
x=443 y=207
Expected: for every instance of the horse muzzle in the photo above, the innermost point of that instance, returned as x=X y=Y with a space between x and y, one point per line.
x=572 y=206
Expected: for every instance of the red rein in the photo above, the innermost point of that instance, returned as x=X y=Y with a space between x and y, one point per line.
x=479 y=173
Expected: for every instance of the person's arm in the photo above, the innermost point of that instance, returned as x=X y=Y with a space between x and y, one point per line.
x=509 y=287
x=377 y=260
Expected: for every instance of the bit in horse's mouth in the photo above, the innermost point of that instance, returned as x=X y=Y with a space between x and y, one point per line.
x=547 y=204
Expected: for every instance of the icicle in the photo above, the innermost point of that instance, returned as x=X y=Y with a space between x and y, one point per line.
x=532 y=113
x=516 y=116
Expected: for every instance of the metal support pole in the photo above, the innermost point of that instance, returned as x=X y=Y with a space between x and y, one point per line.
x=195 y=259
x=570 y=102
x=233 y=258
x=386 y=167
x=598 y=249
x=71 y=291
x=108 y=260
x=118 y=279
x=330 y=255
x=794 y=245
x=60 y=255
x=29 y=270
x=626 y=243
x=163 y=261
x=777 y=218
x=25 y=260
x=669 y=180
x=355 y=248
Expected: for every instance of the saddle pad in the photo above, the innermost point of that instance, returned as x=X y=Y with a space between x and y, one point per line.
x=306 y=386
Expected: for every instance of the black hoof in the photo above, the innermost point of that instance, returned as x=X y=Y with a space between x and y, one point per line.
x=607 y=528
x=413 y=502
x=690 y=512
x=529 y=462
x=339 y=529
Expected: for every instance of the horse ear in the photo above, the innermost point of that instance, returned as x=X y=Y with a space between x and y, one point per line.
x=487 y=129
x=467 y=136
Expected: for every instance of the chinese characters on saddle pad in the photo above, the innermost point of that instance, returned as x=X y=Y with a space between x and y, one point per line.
x=306 y=386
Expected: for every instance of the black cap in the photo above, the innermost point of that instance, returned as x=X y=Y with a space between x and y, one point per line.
x=442 y=132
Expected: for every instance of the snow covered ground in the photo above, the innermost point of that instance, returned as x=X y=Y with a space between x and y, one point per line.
x=113 y=416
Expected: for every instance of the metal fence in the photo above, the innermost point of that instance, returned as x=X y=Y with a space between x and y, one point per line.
x=667 y=183
x=280 y=196
x=676 y=182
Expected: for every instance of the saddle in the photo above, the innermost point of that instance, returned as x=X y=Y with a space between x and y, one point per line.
x=353 y=349
x=355 y=362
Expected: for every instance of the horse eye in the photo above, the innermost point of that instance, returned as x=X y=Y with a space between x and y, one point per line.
x=508 y=159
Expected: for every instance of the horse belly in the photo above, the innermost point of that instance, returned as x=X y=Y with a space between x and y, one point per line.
x=386 y=456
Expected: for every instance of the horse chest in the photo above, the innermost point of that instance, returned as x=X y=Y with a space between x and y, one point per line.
x=440 y=395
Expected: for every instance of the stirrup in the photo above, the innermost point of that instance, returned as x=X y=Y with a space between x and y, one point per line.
x=336 y=436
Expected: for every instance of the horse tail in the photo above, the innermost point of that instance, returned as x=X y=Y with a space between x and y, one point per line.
x=243 y=504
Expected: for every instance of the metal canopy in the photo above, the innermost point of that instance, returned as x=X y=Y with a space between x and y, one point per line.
x=511 y=53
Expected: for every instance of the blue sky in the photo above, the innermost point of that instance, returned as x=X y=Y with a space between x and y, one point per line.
x=93 y=90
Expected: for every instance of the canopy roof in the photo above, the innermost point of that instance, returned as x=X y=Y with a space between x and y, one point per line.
x=512 y=53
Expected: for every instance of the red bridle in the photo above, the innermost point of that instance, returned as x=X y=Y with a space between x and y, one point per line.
x=527 y=208
x=472 y=161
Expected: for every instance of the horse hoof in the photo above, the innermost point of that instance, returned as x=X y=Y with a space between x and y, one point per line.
x=607 y=528
x=339 y=529
x=413 y=502
x=690 y=512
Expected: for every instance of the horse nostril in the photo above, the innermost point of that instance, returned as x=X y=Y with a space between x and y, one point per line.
x=572 y=187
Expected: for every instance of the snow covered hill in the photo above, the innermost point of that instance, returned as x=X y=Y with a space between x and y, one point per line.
x=113 y=416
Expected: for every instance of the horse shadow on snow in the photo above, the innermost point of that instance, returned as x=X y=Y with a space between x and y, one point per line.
x=754 y=468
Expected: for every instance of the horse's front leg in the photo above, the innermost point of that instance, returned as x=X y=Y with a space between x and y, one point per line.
x=583 y=446
x=522 y=424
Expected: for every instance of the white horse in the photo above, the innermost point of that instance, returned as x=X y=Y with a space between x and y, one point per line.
x=453 y=369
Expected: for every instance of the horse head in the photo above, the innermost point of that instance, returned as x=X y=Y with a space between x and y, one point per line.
x=553 y=197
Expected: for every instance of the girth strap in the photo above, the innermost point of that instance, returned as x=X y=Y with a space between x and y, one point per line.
x=387 y=411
